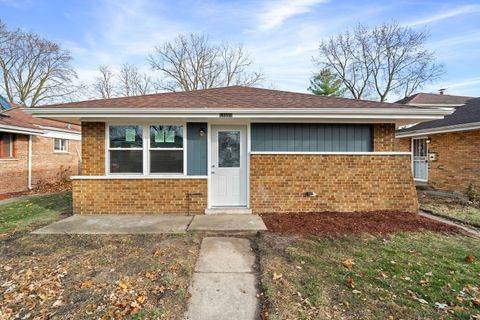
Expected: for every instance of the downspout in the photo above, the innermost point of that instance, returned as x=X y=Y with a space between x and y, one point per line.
x=30 y=162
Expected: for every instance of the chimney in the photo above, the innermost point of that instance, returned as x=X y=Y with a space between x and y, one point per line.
x=442 y=90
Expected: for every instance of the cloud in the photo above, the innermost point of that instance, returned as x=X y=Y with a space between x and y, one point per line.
x=276 y=12
x=449 y=13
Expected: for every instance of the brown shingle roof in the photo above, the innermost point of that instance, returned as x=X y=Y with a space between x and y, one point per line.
x=19 y=118
x=235 y=97
x=432 y=98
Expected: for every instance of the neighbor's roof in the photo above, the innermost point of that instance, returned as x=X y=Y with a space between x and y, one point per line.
x=235 y=97
x=17 y=117
x=432 y=99
x=466 y=116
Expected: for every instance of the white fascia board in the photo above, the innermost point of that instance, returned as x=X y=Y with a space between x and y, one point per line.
x=60 y=130
x=62 y=135
x=280 y=113
x=445 y=129
x=20 y=130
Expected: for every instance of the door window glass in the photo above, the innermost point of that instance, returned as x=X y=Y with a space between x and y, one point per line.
x=229 y=149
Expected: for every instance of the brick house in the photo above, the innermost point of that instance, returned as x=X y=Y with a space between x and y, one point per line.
x=446 y=152
x=34 y=150
x=240 y=150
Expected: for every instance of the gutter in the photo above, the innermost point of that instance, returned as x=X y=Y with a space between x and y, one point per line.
x=288 y=113
x=437 y=130
x=20 y=130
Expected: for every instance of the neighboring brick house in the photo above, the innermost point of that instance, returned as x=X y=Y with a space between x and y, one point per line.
x=34 y=151
x=239 y=149
x=446 y=152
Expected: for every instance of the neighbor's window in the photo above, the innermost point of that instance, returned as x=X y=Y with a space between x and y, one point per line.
x=6 y=145
x=60 y=145
x=166 y=149
x=126 y=149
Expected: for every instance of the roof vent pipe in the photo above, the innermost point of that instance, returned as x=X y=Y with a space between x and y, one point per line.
x=442 y=90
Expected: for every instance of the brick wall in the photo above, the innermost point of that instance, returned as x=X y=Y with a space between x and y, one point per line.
x=14 y=173
x=458 y=162
x=93 y=148
x=384 y=137
x=343 y=183
x=403 y=145
x=46 y=165
x=139 y=196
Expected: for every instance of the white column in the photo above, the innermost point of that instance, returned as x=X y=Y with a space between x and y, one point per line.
x=29 y=162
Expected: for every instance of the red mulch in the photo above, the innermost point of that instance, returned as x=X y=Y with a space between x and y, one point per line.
x=4 y=196
x=334 y=223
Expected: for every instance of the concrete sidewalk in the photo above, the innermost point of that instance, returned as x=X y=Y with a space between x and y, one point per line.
x=224 y=283
x=152 y=224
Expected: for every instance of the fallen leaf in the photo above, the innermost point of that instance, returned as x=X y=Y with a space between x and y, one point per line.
x=441 y=306
x=141 y=299
x=423 y=282
x=476 y=301
x=350 y=282
x=43 y=296
x=86 y=284
x=423 y=301
x=348 y=263
x=57 y=303
x=469 y=259
x=122 y=285
x=276 y=276
x=356 y=291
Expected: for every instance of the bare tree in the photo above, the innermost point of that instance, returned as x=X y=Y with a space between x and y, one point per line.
x=132 y=82
x=129 y=81
x=192 y=62
x=104 y=84
x=374 y=63
x=34 y=70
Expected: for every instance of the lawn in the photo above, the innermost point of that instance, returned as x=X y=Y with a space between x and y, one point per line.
x=26 y=214
x=399 y=276
x=85 y=276
x=450 y=207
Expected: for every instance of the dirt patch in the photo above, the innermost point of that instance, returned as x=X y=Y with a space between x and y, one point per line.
x=334 y=223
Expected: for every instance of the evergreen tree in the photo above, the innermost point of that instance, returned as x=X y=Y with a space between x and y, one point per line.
x=326 y=84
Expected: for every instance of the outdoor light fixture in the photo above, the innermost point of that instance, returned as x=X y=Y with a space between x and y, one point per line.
x=428 y=140
x=201 y=132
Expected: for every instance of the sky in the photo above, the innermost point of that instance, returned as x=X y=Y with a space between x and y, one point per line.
x=282 y=36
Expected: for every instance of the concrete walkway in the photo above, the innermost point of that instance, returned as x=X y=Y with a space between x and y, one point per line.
x=152 y=224
x=224 y=282
x=472 y=231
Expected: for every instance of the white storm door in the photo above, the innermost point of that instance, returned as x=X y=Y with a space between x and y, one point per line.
x=420 y=159
x=228 y=166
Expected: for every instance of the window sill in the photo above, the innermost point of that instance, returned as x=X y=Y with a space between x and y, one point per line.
x=61 y=152
x=136 y=177
x=9 y=159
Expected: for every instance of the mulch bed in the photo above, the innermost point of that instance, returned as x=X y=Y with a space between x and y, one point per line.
x=333 y=223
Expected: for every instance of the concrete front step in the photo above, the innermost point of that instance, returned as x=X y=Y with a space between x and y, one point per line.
x=228 y=210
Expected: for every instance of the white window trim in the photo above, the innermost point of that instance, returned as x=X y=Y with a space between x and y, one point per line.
x=67 y=143
x=146 y=149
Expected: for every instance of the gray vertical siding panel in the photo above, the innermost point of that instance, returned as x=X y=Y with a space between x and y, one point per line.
x=196 y=149
x=311 y=137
